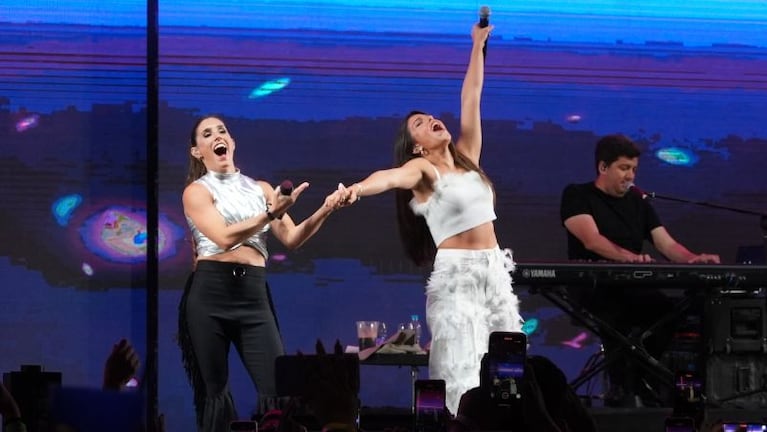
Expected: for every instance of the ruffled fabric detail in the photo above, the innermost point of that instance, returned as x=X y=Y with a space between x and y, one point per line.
x=469 y=295
x=189 y=360
x=218 y=413
x=213 y=413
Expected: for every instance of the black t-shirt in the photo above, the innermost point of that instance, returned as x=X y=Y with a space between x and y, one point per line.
x=626 y=221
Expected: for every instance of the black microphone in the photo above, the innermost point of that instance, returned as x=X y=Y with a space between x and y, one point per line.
x=639 y=192
x=286 y=187
x=484 y=21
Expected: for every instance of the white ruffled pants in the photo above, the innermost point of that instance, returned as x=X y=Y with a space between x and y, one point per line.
x=468 y=296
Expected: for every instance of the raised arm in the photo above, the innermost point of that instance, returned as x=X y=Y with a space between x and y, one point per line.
x=198 y=205
x=470 y=138
x=584 y=228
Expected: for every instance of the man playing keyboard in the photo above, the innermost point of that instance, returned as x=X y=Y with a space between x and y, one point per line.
x=609 y=219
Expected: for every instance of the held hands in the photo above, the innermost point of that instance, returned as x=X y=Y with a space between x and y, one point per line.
x=351 y=194
x=335 y=200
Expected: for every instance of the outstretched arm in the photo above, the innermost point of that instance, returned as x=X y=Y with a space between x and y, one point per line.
x=294 y=236
x=408 y=176
x=470 y=140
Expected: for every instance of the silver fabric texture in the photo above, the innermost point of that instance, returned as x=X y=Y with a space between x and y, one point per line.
x=237 y=197
x=468 y=296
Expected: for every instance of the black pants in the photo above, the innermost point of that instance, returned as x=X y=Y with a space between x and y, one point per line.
x=229 y=304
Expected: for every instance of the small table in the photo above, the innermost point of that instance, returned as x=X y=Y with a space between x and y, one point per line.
x=414 y=361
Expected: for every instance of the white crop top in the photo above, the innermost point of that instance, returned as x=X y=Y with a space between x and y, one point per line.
x=460 y=202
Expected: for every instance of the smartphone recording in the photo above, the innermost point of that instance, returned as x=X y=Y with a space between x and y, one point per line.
x=688 y=395
x=743 y=427
x=505 y=366
x=430 y=414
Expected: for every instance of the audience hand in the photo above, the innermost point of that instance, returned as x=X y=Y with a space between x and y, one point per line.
x=8 y=407
x=120 y=366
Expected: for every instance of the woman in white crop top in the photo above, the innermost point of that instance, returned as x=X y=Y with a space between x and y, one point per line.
x=227 y=301
x=445 y=214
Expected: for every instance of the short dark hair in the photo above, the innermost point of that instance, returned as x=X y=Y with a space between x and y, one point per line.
x=611 y=147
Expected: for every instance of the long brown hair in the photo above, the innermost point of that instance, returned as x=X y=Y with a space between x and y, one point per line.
x=196 y=167
x=413 y=231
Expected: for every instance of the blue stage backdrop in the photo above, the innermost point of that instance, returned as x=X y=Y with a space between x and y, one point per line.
x=314 y=90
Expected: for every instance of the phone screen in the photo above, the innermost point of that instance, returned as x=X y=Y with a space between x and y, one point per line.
x=507 y=352
x=688 y=386
x=430 y=405
x=688 y=397
x=744 y=427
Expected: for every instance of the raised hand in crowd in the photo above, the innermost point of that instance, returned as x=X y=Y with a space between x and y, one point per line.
x=120 y=366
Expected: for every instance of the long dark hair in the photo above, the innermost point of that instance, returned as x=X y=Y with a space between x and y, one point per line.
x=196 y=167
x=413 y=231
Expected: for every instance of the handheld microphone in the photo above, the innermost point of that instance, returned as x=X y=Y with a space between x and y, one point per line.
x=286 y=187
x=484 y=21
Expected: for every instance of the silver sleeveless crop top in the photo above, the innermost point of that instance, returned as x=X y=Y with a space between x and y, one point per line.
x=460 y=202
x=237 y=197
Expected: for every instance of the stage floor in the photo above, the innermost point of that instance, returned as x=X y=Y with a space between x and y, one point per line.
x=607 y=419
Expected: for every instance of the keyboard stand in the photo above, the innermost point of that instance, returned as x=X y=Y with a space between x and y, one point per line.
x=629 y=346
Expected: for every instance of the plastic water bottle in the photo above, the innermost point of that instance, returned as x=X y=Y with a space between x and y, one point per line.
x=415 y=325
x=382 y=333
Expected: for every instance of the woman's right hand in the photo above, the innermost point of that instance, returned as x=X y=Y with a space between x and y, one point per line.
x=480 y=34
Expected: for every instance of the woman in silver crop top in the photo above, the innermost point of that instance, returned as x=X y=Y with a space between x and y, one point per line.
x=445 y=213
x=226 y=300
